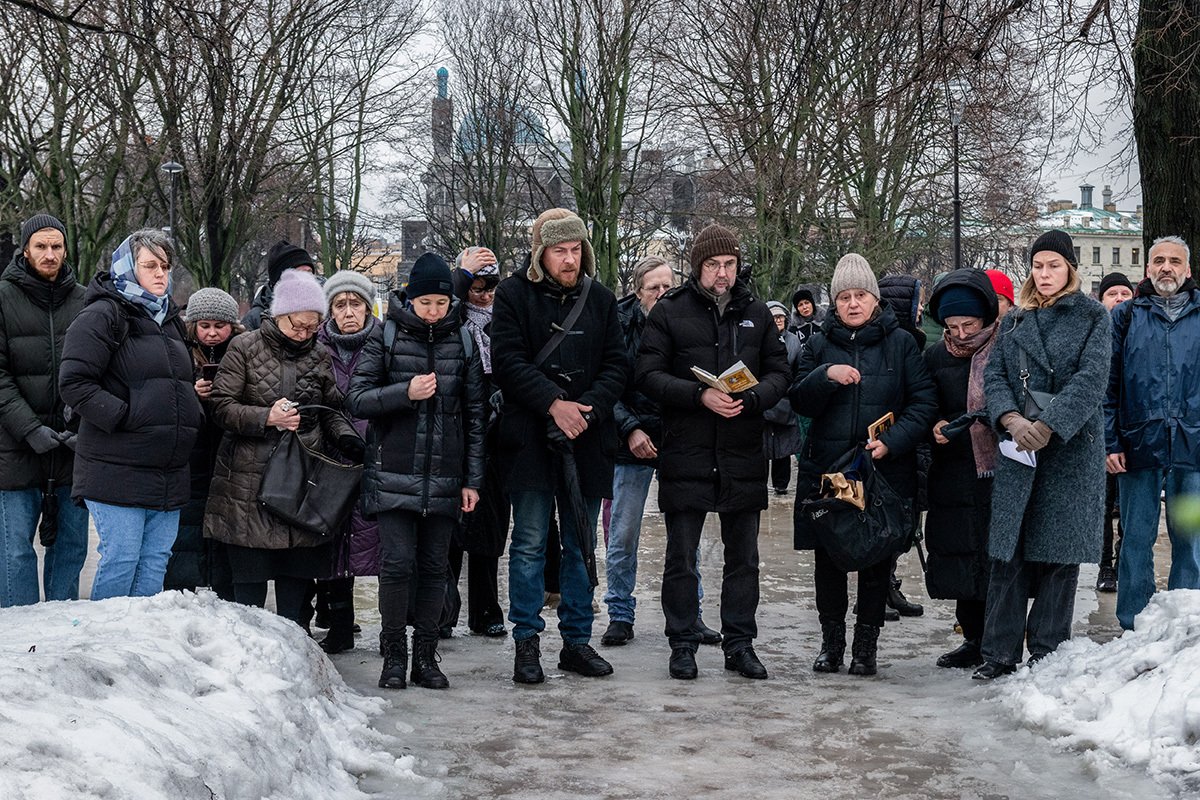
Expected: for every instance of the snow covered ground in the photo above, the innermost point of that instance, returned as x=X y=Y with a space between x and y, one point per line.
x=182 y=696
x=1135 y=699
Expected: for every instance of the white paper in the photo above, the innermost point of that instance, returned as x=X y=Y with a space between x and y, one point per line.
x=1009 y=448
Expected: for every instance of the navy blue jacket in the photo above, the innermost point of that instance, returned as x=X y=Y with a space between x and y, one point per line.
x=1152 y=411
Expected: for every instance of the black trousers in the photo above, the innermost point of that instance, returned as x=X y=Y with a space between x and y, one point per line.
x=1111 y=554
x=483 y=591
x=413 y=545
x=739 y=581
x=970 y=615
x=832 y=586
x=291 y=597
x=781 y=472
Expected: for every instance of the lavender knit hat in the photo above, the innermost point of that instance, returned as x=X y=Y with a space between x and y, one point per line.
x=298 y=291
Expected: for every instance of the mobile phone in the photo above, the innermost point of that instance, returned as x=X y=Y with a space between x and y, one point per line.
x=209 y=371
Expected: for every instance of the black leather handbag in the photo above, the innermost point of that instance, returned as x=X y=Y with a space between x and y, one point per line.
x=307 y=489
x=1035 y=402
x=858 y=536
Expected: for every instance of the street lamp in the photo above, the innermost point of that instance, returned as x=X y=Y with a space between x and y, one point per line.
x=957 y=92
x=173 y=168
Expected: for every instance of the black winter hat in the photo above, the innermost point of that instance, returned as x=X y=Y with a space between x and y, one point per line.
x=952 y=287
x=284 y=255
x=40 y=222
x=430 y=275
x=1113 y=279
x=803 y=294
x=1056 y=242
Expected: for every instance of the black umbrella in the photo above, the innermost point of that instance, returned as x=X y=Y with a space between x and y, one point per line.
x=571 y=496
x=48 y=526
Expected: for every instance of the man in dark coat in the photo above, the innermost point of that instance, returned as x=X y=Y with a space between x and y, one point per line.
x=283 y=255
x=39 y=297
x=711 y=456
x=568 y=392
x=1152 y=416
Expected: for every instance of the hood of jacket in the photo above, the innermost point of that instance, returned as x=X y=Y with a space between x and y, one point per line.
x=41 y=291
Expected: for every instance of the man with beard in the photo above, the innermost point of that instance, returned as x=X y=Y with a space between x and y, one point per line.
x=1153 y=415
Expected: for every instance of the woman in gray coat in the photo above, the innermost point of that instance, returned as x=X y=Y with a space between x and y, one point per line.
x=1046 y=519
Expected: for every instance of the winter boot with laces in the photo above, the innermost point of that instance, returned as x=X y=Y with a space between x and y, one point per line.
x=395 y=662
x=833 y=647
x=425 y=671
x=862 y=652
x=527 y=665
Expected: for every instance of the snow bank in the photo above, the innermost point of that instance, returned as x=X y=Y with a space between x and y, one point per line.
x=180 y=696
x=1135 y=699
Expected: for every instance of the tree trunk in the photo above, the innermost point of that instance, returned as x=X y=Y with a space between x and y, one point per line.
x=1166 y=106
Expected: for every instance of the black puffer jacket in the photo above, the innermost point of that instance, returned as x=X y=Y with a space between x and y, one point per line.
x=260 y=308
x=634 y=410
x=420 y=454
x=34 y=316
x=130 y=381
x=589 y=367
x=707 y=462
x=960 y=504
x=894 y=378
x=902 y=293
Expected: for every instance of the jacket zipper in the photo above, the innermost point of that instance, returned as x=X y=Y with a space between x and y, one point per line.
x=428 y=435
x=53 y=360
x=854 y=427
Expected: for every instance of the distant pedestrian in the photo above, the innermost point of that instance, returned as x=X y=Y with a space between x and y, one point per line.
x=1003 y=286
x=1115 y=289
x=782 y=435
x=282 y=256
x=39 y=298
x=1153 y=418
x=126 y=371
x=1047 y=518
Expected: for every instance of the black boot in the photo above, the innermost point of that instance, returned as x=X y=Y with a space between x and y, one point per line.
x=901 y=604
x=965 y=655
x=395 y=661
x=833 y=647
x=425 y=670
x=341 y=627
x=527 y=665
x=862 y=651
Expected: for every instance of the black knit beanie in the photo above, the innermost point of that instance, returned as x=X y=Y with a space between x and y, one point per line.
x=1056 y=242
x=284 y=255
x=430 y=275
x=1113 y=279
x=39 y=222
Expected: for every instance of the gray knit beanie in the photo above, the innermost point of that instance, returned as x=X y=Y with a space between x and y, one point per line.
x=347 y=280
x=212 y=304
x=37 y=223
x=853 y=272
x=298 y=291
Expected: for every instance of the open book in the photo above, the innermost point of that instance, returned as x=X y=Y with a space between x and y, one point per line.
x=737 y=378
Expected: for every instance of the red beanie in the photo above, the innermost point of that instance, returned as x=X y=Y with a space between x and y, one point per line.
x=1002 y=285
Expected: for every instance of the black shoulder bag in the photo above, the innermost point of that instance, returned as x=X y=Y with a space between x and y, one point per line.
x=1035 y=402
x=307 y=489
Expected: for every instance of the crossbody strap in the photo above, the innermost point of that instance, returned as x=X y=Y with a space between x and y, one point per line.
x=560 y=332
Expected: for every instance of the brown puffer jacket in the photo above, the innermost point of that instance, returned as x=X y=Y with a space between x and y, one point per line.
x=259 y=368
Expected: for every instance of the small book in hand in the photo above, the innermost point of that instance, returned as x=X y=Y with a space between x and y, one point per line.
x=737 y=378
x=880 y=426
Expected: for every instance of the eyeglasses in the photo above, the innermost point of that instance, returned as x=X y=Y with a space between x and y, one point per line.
x=299 y=328
x=156 y=266
x=483 y=291
x=715 y=267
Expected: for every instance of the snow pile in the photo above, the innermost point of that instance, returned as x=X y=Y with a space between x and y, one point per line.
x=1135 y=699
x=180 y=696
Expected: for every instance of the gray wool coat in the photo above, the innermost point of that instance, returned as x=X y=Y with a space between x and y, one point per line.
x=1058 y=506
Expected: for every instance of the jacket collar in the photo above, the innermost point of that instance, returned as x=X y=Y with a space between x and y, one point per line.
x=41 y=291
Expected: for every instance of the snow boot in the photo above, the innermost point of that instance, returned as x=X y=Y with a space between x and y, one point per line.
x=862 y=652
x=425 y=671
x=901 y=604
x=338 y=597
x=527 y=665
x=833 y=647
x=395 y=661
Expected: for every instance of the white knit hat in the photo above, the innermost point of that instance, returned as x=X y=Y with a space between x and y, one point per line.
x=853 y=272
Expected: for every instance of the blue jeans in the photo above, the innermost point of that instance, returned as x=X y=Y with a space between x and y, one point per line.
x=1139 y=493
x=135 y=545
x=20 y=511
x=527 y=559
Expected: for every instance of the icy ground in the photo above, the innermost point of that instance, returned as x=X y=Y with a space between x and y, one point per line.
x=181 y=696
x=1135 y=699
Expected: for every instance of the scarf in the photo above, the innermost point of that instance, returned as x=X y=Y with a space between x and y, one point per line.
x=478 y=320
x=348 y=344
x=125 y=282
x=978 y=347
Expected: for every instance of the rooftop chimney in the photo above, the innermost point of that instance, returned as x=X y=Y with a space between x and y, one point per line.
x=1085 y=195
x=1109 y=205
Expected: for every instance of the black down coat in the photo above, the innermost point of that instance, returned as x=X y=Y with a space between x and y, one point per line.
x=956 y=527
x=34 y=316
x=258 y=369
x=894 y=378
x=130 y=381
x=707 y=462
x=634 y=410
x=589 y=367
x=420 y=454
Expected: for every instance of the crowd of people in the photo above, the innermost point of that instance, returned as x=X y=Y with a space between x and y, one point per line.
x=1038 y=433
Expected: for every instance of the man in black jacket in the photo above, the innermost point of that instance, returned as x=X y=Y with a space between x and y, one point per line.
x=711 y=457
x=39 y=297
x=283 y=255
x=568 y=391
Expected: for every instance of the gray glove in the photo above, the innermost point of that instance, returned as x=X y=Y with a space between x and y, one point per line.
x=67 y=438
x=42 y=439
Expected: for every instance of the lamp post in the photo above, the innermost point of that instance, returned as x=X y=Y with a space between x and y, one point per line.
x=957 y=91
x=173 y=168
